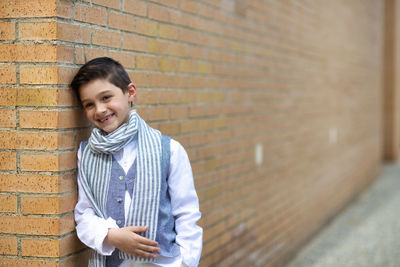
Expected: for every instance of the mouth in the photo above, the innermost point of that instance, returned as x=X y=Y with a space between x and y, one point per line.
x=105 y=119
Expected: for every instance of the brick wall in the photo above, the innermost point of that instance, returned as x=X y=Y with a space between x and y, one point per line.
x=299 y=80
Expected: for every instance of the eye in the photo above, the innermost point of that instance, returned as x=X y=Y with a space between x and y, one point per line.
x=88 y=105
x=106 y=97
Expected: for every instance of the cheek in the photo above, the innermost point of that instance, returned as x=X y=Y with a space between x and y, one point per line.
x=88 y=114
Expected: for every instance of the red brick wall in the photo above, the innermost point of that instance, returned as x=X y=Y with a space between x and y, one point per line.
x=301 y=79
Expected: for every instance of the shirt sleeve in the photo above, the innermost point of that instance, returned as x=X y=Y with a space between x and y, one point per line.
x=185 y=205
x=90 y=228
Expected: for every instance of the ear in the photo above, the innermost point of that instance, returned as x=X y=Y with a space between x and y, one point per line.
x=131 y=91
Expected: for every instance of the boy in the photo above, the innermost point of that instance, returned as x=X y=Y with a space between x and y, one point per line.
x=137 y=203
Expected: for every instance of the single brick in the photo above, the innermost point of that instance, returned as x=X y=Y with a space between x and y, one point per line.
x=29 y=225
x=70 y=244
x=39 y=119
x=67 y=161
x=134 y=43
x=204 y=68
x=121 y=21
x=106 y=38
x=73 y=33
x=178 y=50
x=168 y=32
x=140 y=79
x=48 y=205
x=84 y=54
x=170 y=3
x=30 y=263
x=40 y=247
x=19 y=8
x=187 y=66
x=37 y=140
x=37 y=97
x=8 y=161
x=65 y=9
x=7 y=30
x=8 y=96
x=135 y=7
x=157 y=47
x=108 y=3
x=169 y=97
x=146 y=27
x=71 y=119
x=8 y=140
x=90 y=14
x=147 y=62
x=67 y=224
x=37 y=30
x=36 y=183
x=66 y=140
x=170 y=128
x=48 y=161
x=8 y=246
x=158 y=113
x=158 y=80
x=66 y=97
x=65 y=54
x=38 y=75
x=28 y=53
x=178 y=112
x=169 y=64
x=188 y=5
x=7 y=74
x=126 y=59
x=39 y=162
x=158 y=13
x=146 y=97
x=8 y=204
x=65 y=74
x=67 y=202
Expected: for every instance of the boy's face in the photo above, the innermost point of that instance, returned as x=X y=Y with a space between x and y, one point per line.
x=105 y=105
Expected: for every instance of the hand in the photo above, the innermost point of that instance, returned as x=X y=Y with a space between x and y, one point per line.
x=126 y=240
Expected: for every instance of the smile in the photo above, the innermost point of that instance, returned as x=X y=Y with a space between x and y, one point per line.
x=105 y=119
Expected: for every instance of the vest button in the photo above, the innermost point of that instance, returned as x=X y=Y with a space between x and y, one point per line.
x=119 y=222
x=119 y=200
x=121 y=178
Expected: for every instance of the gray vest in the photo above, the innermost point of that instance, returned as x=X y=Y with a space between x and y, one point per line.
x=120 y=182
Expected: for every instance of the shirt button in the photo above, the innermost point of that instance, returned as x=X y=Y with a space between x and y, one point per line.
x=119 y=222
x=121 y=178
x=119 y=200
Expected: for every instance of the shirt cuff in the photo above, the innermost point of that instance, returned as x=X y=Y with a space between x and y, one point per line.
x=102 y=247
x=187 y=260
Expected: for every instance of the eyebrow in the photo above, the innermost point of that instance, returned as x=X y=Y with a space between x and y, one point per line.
x=99 y=94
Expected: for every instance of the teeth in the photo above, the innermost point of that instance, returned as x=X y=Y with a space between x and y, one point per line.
x=106 y=118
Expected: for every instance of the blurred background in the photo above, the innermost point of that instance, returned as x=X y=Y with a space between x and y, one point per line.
x=287 y=109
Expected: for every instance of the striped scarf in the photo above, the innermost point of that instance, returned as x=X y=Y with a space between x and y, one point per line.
x=95 y=173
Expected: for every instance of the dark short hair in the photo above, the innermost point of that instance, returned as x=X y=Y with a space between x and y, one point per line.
x=101 y=68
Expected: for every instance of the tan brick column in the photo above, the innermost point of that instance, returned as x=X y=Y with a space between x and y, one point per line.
x=37 y=136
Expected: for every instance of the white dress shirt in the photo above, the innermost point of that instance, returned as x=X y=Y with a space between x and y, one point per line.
x=92 y=229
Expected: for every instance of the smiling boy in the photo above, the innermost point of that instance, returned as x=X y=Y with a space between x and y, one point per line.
x=137 y=203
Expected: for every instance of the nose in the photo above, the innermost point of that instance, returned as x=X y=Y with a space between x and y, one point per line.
x=100 y=108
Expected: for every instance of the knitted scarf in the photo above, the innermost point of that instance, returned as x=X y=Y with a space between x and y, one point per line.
x=95 y=173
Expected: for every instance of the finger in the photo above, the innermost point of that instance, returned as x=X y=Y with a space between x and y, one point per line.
x=144 y=254
x=145 y=241
x=150 y=249
x=137 y=229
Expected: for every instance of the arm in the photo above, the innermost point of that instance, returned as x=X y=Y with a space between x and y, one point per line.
x=104 y=235
x=185 y=205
